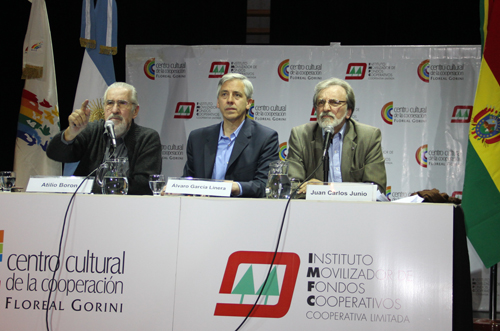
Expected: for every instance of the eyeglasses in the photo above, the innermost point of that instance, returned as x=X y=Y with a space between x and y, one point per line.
x=334 y=103
x=122 y=104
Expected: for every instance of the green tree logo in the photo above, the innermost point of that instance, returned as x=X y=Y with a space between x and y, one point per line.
x=246 y=285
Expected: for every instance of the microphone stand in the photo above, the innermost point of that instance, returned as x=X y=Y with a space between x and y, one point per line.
x=326 y=167
x=326 y=158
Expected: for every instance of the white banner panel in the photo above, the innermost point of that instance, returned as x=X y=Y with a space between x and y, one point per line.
x=180 y=263
x=341 y=271
x=118 y=262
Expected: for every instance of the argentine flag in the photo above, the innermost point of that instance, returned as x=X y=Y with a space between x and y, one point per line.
x=99 y=37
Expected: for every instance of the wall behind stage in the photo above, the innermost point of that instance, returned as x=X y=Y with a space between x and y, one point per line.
x=312 y=22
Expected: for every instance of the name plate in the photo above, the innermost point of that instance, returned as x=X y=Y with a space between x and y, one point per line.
x=342 y=192
x=195 y=186
x=59 y=184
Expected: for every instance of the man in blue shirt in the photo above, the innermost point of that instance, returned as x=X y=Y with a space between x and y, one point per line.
x=238 y=149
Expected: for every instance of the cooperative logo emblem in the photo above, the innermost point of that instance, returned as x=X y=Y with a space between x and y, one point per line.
x=461 y=114
x=457 y=194
x=388 y=192
x=251 y=114
x=355 y=71
x=485 y=126
x=149 y=68
x=421 y=156
x=423 y=71
x=283 y=70
x=245 y=286
x=218 y=69
x=386 y=112
x=184 y=110
x=283 y=151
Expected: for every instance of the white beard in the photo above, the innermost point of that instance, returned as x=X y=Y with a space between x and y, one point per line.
x=120 y=127
x=325 y=120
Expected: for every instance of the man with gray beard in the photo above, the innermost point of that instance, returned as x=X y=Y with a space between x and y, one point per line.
x=90 y=144
x=355 y=152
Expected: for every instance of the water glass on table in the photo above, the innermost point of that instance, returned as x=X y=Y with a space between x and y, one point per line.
x=156 y=183
x=8 y=179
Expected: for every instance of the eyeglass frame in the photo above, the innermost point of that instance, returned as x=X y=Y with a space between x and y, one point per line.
x=122 y=104
x=336 y=103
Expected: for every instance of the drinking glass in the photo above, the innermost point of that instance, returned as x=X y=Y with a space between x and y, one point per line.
x=8 y=179
x=278 y=183
x=115 y=185
x=156 y=183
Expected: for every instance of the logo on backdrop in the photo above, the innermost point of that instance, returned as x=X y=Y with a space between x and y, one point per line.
x=184 y=110
x=314 y=117
x=388 y=191
x=149 y=68
x=393 y=196
x=485 y=126
x=403 y=114
x=272 y=113
x=355 y=71
x=461 y=114
x=218 y=69
x=283 y=70
x=283 y=151
x=423 y=71
x=172 y=152
x=457 y=194
x=241 y=264
x=376 y=71
x=244 y=68
x=154 y=70
x=387 y=112
x=251 y=114
x=287 y=71
x=427 y=71
x=421 y=156
x=436 y=157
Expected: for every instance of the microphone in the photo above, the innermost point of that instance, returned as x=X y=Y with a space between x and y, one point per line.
x=327 y=139
x=110 y=128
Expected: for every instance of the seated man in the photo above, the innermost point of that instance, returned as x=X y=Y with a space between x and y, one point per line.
x=237 y=149
x=355 y=152
x=89 y=143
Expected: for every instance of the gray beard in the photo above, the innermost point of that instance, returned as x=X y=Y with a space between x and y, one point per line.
x=120 y=128
x=325 y=121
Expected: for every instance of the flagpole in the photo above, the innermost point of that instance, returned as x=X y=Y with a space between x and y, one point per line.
x=493 y=293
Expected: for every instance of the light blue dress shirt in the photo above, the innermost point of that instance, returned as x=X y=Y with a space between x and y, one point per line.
x=224 y=149
x=335 y=155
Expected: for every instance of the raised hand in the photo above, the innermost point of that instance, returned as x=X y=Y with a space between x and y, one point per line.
x=78 y=121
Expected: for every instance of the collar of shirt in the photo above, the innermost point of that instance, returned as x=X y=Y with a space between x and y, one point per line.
x=224 y=150
x=233 y=135
x=121 y=148
x=335 y=155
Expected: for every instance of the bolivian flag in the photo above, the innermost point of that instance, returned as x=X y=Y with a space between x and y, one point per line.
x=481 y=195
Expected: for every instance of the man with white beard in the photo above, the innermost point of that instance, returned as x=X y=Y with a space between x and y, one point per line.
x=355 y=152
x=90 y=144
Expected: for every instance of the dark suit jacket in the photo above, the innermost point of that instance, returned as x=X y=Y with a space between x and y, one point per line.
x=362 y=157
x=254 y=148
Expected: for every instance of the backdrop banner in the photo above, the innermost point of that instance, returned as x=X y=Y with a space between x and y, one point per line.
x=419 y=96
